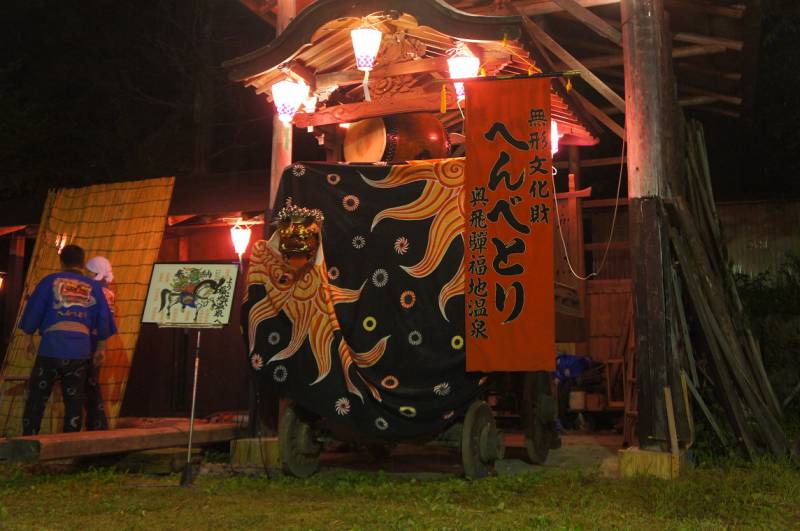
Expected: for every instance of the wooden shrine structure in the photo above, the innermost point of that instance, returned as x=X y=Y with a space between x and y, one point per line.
x=639 y=62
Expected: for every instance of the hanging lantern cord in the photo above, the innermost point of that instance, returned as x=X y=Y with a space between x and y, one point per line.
x=365 y=84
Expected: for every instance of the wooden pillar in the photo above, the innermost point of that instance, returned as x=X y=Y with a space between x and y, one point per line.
x=575 y=210
x=643 y=30
x=281 y=157
x=13 y=283
x=281 y=133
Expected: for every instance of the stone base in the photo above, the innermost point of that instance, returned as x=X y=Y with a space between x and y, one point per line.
x=255 y=453
x=637 y=462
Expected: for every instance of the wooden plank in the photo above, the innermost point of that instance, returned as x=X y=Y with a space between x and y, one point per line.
x=394 y=104
x=707 y=8
x=706 y=411
x=714 y=73
x=696 y=38
x=605 y=203
x=597 y=24
x=732 y=100
x=673 y=431
x=537 y=33
x=603 y=61
x=89 y=443
x=530 y=7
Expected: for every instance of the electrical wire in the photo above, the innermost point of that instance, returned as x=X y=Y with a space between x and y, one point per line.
x=613 y=222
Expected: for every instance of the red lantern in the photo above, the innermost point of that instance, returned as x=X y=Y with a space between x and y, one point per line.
x=240 y=236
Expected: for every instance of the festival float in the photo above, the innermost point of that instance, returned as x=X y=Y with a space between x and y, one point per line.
x=405 y=288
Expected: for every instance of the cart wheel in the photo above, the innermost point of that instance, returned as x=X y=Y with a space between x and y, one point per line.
x=481 y=441
x=299 y=450
x=540 y=414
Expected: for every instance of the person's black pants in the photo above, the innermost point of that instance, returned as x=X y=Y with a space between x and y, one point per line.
x=72 y=374
x=96 y=418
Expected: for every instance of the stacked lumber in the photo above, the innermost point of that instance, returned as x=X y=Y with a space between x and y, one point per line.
x=723 y=367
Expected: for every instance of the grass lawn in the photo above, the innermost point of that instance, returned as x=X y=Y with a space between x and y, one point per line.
x=763 y=495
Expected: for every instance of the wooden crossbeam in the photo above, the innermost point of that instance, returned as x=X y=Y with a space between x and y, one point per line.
x=711 y=72
x=601 y=116
x=591 y=163
x=537 y=33
x=351 y=77
x=681 y=36
x=696 y=38
x=530 y=7
x=396 y=104
x=733 y=100
x=545 y=7
x=677 y=53
x=692 y=101
x=594 y=22
x=707 y=8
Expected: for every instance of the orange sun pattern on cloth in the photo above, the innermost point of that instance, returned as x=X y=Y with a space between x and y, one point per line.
x=441 y=199
x=308 y=302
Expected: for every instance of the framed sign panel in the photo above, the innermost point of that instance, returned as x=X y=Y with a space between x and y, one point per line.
x=190 y=295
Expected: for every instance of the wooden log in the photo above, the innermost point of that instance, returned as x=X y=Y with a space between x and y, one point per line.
x=538 y=34
x=754 y=389
x=707 y=412
x=685 y=391
x=727 y=394
x=592 y=21
x=683 y=326
x=602 y=61
x=710 y=304
x=89 y=443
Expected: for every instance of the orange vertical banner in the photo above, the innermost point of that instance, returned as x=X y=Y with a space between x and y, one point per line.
x=510 y=307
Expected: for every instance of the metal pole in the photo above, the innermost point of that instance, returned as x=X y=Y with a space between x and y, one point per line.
x=187 y=478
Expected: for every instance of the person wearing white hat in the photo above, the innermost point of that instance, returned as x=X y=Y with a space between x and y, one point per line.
x=99 y=267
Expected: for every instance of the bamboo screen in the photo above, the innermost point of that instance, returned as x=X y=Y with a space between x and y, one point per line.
x=123 y=222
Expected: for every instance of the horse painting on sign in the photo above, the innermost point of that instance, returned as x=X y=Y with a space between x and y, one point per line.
x=198 y=297
x=192 y=295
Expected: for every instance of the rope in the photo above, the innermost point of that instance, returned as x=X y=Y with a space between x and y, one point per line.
x=613 y=223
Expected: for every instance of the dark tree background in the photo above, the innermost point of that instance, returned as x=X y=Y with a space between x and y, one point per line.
x=772 y=168
x=101 y=90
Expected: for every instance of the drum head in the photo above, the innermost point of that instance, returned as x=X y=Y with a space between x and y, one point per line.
x=365 y=141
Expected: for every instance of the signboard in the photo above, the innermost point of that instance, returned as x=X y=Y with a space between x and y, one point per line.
x=190 y=295
x=510 y=308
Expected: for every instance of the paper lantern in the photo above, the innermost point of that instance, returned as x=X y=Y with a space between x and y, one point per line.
x=240 y=236
x=288 y=96
x=366 y=42
x=461 y=65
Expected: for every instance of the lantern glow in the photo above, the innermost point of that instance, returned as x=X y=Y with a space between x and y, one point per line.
x=288 y=96
x=366 y=43
x=240 y=236
x=462 y=64
x=554 y=136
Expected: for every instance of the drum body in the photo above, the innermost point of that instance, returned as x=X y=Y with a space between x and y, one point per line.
x=414 y=136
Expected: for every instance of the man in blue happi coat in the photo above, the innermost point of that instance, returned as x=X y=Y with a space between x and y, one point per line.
x=65 y=308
